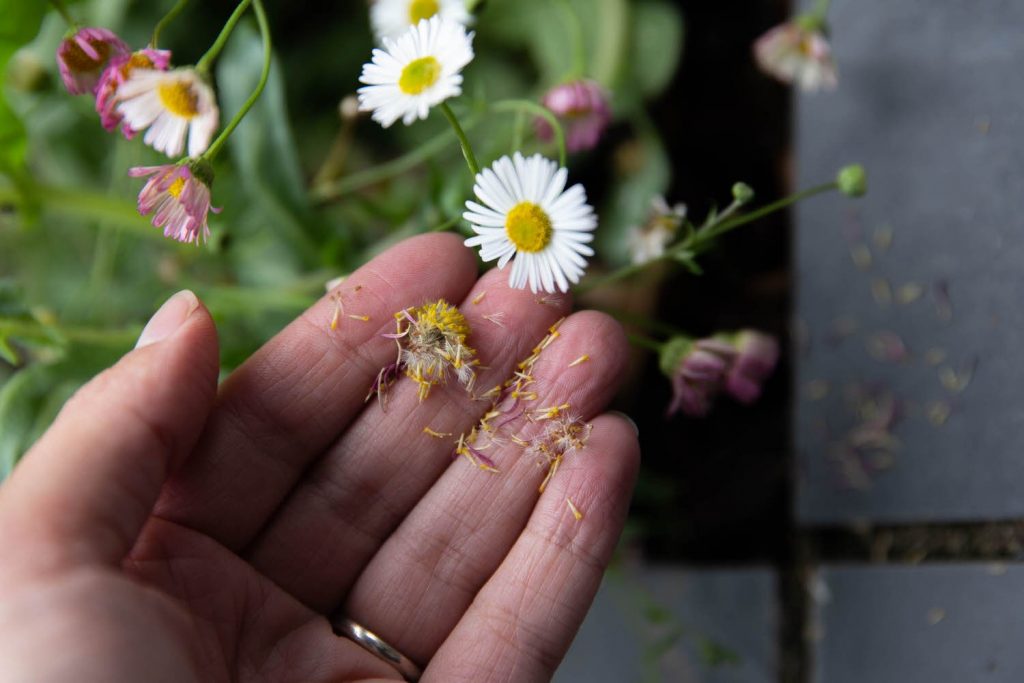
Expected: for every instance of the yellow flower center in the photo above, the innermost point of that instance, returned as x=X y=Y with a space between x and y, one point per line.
x=176 y=187
x=529 y=227
x=178 y=98
x=418 y=75
x=422 y=9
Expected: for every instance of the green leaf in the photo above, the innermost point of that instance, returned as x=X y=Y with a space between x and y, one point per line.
x=688 y=259
x=20 y=398
x=7 y=351
x=656 y=44
x=19 y=23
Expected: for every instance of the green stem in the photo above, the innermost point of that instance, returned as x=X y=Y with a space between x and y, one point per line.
x=34 y=330
x=63 y=11
x=701 y=240
x=467 y=149
x=645 y=342
x=726 y=226
x=575 y=31
x=206 y=61
x=543 y=112
x=167 y=19
x=371 y=176
x=261 y=19
x=628 y=318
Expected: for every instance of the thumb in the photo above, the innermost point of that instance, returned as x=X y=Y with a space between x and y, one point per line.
x=83 y=492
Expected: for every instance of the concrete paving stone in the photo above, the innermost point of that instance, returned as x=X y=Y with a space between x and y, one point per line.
x=679 y=626
x=931 y=623
x=909 y=317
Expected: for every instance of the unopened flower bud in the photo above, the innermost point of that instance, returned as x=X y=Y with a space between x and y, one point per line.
x=742 y=193
x=853 y=180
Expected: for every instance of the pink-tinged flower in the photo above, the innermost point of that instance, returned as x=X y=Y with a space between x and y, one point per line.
x=117 y=72
x=83 y=56
x=178 y=196
x=583 y=109
x=698 y=370
x=756 y=356
x=797 y=52
x=171 y=105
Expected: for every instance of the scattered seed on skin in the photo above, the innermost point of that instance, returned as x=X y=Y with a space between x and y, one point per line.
x=496 y=318
x=935 y=356
x=580 y=361
x=817 y=389
x=881 y=290
x=549 y=300
x=938 y=412
x=909 y=293
x=357 y=288
x=549 y=413
x=575 y=511
x=436 y=435
x=479 y=297
x=861 y=256
x=364 y=318
x=883 y=238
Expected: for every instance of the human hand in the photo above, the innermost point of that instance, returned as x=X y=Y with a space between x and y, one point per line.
x=165 y=530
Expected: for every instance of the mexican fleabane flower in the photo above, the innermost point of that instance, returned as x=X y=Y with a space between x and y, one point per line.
x=83 y=56
x=798 y=53
x=529 y=218
x=417 y=71
x=582 y=108
x=756 y=357
x=178 y=196
x=648 y=242
x=392 y=18
x=114 y=76
x=170 y=105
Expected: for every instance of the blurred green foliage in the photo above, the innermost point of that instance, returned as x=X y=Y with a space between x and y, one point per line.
x=80 y=270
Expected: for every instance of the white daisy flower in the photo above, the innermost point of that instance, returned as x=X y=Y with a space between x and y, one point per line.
x=527 y=213
x=417 y=71
x=170 y=105
x=392 y=18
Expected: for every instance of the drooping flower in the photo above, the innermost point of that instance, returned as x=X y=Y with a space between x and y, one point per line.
x=797 y=52
x=735 y=363
x=170 y=105
x=648 y=242
x=392 y=18
x=432 y=342
x=83 y=56
x=757 y=355
x=178 y=196
x=527 y=213
x=582 y=108
x=418 y=70
x=114 y=76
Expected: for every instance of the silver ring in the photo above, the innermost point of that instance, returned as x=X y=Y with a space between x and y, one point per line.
x=371 y=642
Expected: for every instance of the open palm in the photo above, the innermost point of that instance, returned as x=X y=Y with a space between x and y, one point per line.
x=167 y=530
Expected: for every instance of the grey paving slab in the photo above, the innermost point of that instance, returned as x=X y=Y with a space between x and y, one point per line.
x=934 y=624
x=680 y=626
x=910 y=315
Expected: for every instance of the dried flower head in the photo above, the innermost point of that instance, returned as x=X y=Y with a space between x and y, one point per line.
x=433 y=345
x=563 y=434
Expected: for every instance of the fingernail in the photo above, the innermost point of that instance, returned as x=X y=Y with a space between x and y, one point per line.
x=627 y=418
x=169 y=318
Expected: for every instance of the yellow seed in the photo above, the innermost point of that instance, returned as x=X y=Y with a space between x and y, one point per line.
x=364 y=318
x=436 y=435
x=580 y=361
x=479 y=297
x=575 y=511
